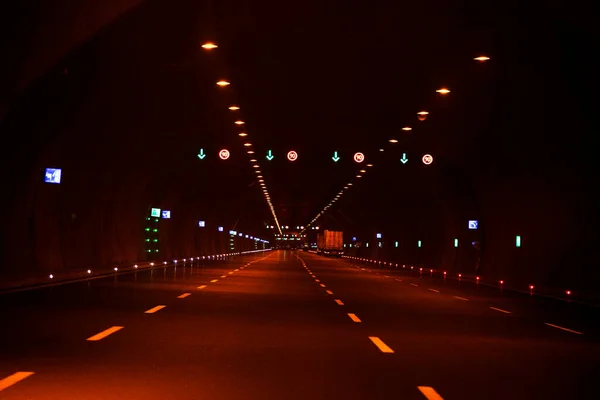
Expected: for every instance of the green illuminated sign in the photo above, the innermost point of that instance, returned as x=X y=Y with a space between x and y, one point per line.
x=201 y=154
x=396 y=244
x=155 y=212
x=518 y=241
x=455 y=242
x=404 y=159
x=335 y=157
x=419 y=243
x=270 y=155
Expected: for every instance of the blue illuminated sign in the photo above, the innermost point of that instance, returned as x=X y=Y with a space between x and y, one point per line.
x=201 y=224
x=379 y=236
x=52 y=175
x=473 y=224
x=166 y=214
x=220 y=229
x=354 y=238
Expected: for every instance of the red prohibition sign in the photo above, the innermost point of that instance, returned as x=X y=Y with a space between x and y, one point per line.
x=427 y=159
x=292 y=155
x=224 y=154
x=359 y=157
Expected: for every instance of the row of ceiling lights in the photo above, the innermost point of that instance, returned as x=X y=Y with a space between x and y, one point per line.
x=421 y=116
x=248 y=146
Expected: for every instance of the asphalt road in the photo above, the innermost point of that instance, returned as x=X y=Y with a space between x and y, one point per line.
x=275 y=326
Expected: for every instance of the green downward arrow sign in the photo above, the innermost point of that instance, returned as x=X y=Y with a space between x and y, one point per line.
x=270 y=155
x=404 y=159
x=335 y=157
x=201 y=155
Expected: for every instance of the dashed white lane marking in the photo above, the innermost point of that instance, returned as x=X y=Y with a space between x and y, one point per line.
x=353 y=317
x=429 y=393
x=564 y=329
x=339 y=302
x=500 y=310
x=460 y=298
x=201 y=287
x=414 y=284
x=184 y=295
x=104 y=333
x=434 y=290
x=14 y=378
x=399 y=280
x=329 y=292
x=154 y=309
x=214 y=280
x=380 y=345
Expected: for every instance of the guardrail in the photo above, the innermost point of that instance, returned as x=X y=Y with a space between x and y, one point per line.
x=567 y=295
x=73 y=276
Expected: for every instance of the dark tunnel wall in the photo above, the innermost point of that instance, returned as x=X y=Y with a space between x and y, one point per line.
x=528 y=171
x=123 y=149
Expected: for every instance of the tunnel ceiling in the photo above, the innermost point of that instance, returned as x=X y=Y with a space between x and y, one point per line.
x=139 y=99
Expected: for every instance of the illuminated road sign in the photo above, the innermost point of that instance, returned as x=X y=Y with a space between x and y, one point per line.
x=427 y=159
x=201 y=154
x=166 y=214
x=292 y=155
x=335 y=157
x=359 y=157
x=270 y=155
x=52 y=175
x=224 y=154
x=155 y=212
x=201 y=224
x=404 y=159
x=473 y=224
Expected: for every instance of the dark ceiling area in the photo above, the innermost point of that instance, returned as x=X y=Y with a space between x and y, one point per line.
x=125 y=111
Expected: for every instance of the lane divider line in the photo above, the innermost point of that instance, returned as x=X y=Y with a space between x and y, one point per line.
x=316 y=280
x=237 y=269
x=184 y=295
x=329 y=292
x=322 y=285
x=414 y=284
x=230 y=272
x=500 y=310
x=353 y=317
x=14 y=378
x=564 y=329
x=339 y=302
x=104 y=333
x=460 y=298
x=154 y=309
x=429 y=393
x=384 y=348
x=434 y=290
x=201 y=287
x=223 y=276
x=399 y=280
x=214 y=280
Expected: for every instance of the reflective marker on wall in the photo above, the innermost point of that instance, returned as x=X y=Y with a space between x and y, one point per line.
x=52 y=175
